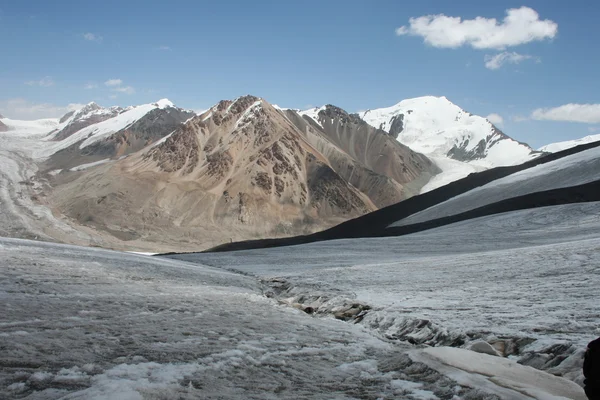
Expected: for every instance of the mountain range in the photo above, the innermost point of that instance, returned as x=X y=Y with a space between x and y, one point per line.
x=161 y=176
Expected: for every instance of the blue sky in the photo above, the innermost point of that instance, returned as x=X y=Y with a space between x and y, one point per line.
x=305 y=53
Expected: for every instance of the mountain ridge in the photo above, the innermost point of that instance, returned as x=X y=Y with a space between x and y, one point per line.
x=240 y=169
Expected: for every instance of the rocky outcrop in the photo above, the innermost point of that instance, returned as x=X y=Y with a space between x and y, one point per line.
x=3 y=128
x=178 y=151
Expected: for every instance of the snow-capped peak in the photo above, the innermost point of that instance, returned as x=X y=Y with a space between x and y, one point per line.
x=437 y=127
x=164 y=103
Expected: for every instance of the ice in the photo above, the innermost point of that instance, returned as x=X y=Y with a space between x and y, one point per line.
x=500 y=376
x=81 y=323
x=28 y=128
x=573 y=170
x=530 y=274
x=452 y=170
x=559 y=146
x=106 y=324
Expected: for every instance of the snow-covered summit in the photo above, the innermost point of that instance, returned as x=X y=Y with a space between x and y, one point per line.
x=559 y=146
x=313 y=113
x=164 y=103
x=437 y=127
x=459 y=142
x=118 y=119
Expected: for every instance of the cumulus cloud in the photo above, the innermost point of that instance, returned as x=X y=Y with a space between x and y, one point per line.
x=90 y=85
x=495 y=119
x=585 y=113
x=44 y=82
x=92 y=37
x=520 y=26
x=23 y=109
x=498 y=60
x=113 y=82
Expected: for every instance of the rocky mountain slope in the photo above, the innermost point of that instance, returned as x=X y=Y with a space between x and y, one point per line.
x=370 y=159
x=242 y=169
x=458 y=141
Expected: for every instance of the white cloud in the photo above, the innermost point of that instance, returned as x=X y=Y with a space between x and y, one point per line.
x=113 y=96
x=113 y=82
x=26 y=110
x=520 y=26
x=585 y=113
x=519 y=118
x=92 y=37
x=126 y=90
x=44 y=82
x=498 y=60
x=495 y=119
x=90 y=85
x=165 y=48
x=115 y=85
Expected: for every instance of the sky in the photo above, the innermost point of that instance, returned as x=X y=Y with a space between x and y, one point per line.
x=530 y=67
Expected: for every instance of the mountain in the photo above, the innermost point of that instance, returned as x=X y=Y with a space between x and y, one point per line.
x=3 y=128
x=241 y=169
x=559 y=146
x=458 y=141
x=369 y=158
x=88 y=115
x=93 y=133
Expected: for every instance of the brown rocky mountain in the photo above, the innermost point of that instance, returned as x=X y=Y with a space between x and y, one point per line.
x=242 y=169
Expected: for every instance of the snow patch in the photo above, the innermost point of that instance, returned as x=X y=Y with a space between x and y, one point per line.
x=313 y=113
x=90 y=165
